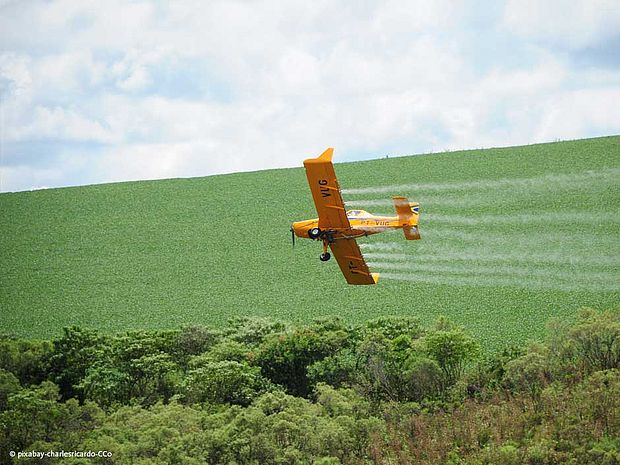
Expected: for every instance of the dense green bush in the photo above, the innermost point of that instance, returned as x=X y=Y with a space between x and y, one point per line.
x=194 y=340
x=37 y=415
x=529 y=373
x=9 y=384
x=285 y=358
x=592 y=343
x=253 y=330
x=72 y=355
x=452 y=350
x=224 y=382
x=384 y=392
x=26 y=359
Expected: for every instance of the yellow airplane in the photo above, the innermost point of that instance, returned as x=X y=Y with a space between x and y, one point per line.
x=339 y=229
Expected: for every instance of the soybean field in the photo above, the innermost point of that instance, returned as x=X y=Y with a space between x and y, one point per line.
x=510 y=237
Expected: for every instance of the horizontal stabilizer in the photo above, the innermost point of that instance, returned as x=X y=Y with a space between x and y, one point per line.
x=412 y=233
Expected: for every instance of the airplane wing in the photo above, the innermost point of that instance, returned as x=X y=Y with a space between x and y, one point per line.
x=352 y=263
x=332 y=215
x=326 y=192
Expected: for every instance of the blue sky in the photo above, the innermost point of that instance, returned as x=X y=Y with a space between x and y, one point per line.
x=96 y=92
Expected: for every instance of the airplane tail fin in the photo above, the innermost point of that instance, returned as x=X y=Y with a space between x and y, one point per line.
x=408 y=215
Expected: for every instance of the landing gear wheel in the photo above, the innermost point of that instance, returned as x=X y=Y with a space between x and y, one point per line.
x=314 y=233
x=325 y=256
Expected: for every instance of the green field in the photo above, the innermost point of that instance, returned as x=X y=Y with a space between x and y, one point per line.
x=510 y=237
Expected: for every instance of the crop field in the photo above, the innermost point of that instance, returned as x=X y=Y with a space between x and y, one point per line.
x=510 y=238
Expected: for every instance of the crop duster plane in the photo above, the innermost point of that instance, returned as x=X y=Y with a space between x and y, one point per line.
x=338 y=229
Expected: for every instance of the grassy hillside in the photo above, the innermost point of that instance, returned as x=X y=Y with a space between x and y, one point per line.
x=510 y=237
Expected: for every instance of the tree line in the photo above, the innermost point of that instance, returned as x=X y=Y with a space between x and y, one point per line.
x=261 y=391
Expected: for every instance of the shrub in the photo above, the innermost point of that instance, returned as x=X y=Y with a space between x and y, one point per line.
x=225 y=382
x=423 y=378
x=452 y=350
x=72 y=355
x=26 y=359
x=285 y=359
x=194 y=340
x=390 y=327
x=337 y=370
x=9 y=384
x=529 y=374
x=253 y=330
x=35 y=414
x=227 y=350
x=153 y=378
x=591 y=344
x=106 y=385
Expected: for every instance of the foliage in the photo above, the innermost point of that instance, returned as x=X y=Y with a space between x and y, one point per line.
x=391 y=327
x=337 y=370
x=36 y=414
x=194 y=340
x=106 y=385
x=226 y=350
x=252 y=330
x=285 y=358
x=392 y=398
x=422 y=378
x=26 y=359
x=276 y=428
x=224 y=382
x=9 y=384
x=529 y=374
x=591 y=344
x=452 y=350
x=491 y=369
x=72 y=356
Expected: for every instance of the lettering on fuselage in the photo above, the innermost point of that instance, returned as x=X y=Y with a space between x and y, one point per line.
x=324 y=190
x=374 y=223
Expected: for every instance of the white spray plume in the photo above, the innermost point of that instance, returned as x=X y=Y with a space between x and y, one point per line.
x=561 y=179
x=387 y=246
x=526 y=218
x=505 y=271
x=490 y=281
x=553 y=258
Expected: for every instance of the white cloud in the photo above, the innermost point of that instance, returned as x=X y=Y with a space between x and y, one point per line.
x=581 y=111
x=59 y=123
x=143 y=161
x=17 y=178
x=571 y=24
x=545 y=76
x=274 y=83
x=15 y=75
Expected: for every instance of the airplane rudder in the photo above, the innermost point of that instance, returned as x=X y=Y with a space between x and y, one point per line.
x=401 y=205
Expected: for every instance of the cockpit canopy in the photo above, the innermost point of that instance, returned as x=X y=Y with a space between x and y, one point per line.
x=358 y=214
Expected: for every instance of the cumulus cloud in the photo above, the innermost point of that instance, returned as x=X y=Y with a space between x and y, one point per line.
x=570 y=24
x=142 y=90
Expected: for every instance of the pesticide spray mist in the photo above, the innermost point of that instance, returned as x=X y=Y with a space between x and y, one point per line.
x=502 y=249
x=498 y=281
x=572 y=180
